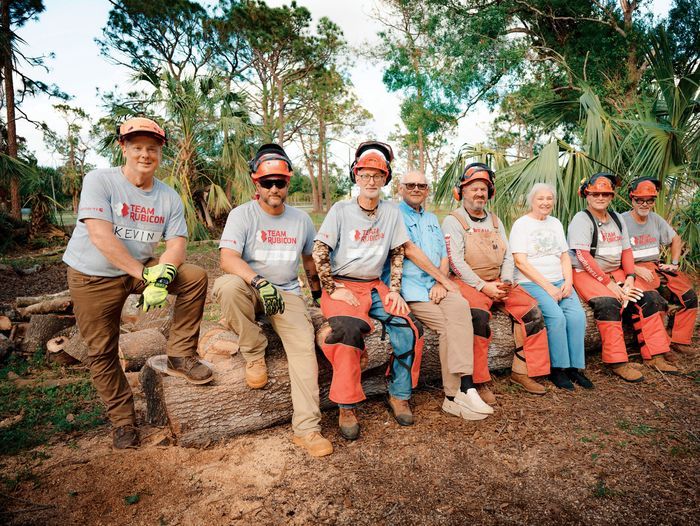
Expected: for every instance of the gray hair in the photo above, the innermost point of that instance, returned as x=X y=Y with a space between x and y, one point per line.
x=412 y=172
x=536 y=188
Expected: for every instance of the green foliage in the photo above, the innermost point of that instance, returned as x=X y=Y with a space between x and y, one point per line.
x=44 y=411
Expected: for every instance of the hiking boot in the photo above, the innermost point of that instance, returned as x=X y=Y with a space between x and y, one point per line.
x=485 y=394
x=315 y=444
x=348 y=424
x=625 y=371
x=400 y=410
x=659 y=362
x=473 y=402
x=453 y=408
x=125 y=437
x=682 y=348
x=579 y=378
x=256 y=373
x=559 y=378
x=190 y=368
x=527 y=383
x=671 y=357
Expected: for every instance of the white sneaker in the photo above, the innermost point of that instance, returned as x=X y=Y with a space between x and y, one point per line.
x=472 y=401
x=453 y=408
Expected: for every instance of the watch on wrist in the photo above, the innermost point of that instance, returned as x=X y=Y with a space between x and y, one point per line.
x=674 y=262
x=633 y=275
x=257 y=279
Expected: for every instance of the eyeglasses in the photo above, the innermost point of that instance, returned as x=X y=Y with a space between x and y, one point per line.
x=648 y=202
x=413 y=186
x=596 y=195
x=269 y=183
x=375 y=177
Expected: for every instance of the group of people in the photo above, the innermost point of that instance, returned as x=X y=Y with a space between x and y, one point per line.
x=374 y=264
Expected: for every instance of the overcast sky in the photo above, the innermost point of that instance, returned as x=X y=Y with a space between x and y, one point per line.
x=67 y=28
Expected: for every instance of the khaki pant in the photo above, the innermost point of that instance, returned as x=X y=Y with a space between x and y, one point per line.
x=452 y=320
x=239 y=305
x=98 y=302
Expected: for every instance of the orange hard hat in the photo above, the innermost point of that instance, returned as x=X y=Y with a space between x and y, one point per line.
x=644 y=187
x=142 y=126
x=270 y=159
x=373 y=154
x=475 y=172
x=372 y=160
x=601 y=182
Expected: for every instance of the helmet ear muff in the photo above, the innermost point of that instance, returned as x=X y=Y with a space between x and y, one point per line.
x=352 y=171
x=457 y=193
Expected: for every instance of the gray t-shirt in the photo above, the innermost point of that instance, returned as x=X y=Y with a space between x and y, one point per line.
x=271 y=245
x=140 y=220
x=648 y=237
x=359 y=244
x=454 y=240
x=611 y=242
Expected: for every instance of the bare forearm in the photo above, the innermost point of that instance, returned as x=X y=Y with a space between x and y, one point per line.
x=232 y=263
x=175 y=251
x=418 y=257
x=111 y=248
x=676 y=248
x=527 y=268
x=566 y=268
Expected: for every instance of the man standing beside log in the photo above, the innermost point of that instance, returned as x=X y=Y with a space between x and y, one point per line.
x=446 y=312
x=648 y=231
x=260 y=250
x=477 y=248
x=124 y=212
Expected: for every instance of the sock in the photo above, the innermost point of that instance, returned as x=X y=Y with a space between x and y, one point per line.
x=466 y=382
x=450 y=398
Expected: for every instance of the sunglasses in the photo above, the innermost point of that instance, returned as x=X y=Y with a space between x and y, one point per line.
x=596 y=195
x=269 y=183
x=645 y=201
x=413 y=186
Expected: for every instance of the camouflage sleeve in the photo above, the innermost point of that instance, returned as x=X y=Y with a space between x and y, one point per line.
x=396 y=268
x=322 y=257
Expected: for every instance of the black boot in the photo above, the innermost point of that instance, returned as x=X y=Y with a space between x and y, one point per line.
x=578 y=377
x=559 y=378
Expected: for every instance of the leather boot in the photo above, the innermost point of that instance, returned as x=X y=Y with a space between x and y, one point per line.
x=625 y=371
x=348 y=424
x=125 y=437
x=190 y=368
x=527 y=383
x=315 y=444
x=256 y=374
x=486 y=394
x=682 y=348
x=659 y=362
x=400 y=410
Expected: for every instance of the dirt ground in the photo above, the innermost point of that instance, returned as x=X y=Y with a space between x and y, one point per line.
x=620 y=454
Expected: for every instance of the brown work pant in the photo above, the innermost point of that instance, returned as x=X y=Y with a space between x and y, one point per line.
x=452 y=320
x=98 y=302
x=239 y=305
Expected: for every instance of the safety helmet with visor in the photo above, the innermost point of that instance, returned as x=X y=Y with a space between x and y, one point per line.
x=475 y=172
x=270 y=159
x=372 y=154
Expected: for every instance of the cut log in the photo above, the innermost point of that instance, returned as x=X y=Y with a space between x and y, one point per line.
x=5 y=323
x=55 y=349
x=136 y=347
x=216 y=343
x=56 y=305
x=75 y=346
x=6 y=347
x=26 y=301
x=43 y=327
x=134 y=319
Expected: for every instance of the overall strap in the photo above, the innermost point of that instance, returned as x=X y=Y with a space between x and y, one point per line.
x=594 y=241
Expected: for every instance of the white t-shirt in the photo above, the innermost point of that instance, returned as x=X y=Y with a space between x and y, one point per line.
x=271 y=245
x=140 y=220
x=359 y=244
x=543 y=242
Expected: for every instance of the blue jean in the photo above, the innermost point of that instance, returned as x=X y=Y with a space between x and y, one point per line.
x=566 y=326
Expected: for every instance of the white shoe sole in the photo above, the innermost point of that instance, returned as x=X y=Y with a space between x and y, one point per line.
x=454 y=409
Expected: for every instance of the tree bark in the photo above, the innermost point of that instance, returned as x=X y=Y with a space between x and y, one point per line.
x=57 y=305
x=6 y=32
x=136 y=347
x=26 y=301
x=43 y=327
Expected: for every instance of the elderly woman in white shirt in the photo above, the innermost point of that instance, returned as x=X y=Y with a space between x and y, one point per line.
x=541 y=256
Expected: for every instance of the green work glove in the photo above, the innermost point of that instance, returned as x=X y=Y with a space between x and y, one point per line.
x=163 y=273
x=154 y=297
x=272 y=300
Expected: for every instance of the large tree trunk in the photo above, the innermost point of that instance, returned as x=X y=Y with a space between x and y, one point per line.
x=5 y=34
x=199 y=415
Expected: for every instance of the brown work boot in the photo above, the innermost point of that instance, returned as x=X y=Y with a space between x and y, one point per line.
x=190 y=368
x=347 y=421
x=671 y=357
x=125 y=437
x=527 y=383
x=256 y=373
x=400 y=410
x=682 y=348
x=625 y=371
x=486 y=394
x=660 y=363
x=315 y=444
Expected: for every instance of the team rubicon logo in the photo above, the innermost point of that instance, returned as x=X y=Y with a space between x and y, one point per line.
x=140 y=213
x=275 y=237
x=366 y=236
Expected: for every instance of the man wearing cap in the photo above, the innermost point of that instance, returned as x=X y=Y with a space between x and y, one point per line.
x=444 y=311
x=123 y=213
x=260 y=249
x=482 y=264
x=352 y=246
x=648 y=232
x=604 y=277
